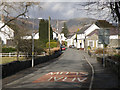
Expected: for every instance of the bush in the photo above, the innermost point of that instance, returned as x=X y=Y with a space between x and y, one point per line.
x=64 y=43
x=39 y=46
x=115 y=57
x=7 y=50
x=89 y=47
x=100 y=51
x=52 y=44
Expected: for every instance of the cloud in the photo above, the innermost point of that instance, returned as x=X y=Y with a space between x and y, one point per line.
x=58 y=7
x=61 y=10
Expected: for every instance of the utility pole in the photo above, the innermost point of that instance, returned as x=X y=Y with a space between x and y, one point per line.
x=49 y=35
x=33 y=43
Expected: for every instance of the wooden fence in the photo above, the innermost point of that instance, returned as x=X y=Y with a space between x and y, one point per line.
x=20 y=55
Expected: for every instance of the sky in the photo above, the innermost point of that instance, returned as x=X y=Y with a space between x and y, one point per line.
x=56 y=10
x=61 y=10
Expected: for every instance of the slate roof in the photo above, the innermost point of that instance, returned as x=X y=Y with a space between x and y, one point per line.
x=103 y=24
x=81 y=31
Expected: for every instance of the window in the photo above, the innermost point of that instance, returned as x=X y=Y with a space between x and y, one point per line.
x=91 y=43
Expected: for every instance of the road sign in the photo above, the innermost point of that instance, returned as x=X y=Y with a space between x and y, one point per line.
x=103 y=36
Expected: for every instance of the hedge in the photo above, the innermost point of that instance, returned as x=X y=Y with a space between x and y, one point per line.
x=52 y=44
x=7 y=50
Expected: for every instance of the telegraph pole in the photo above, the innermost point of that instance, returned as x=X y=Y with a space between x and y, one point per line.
x=33 y=43
x=49 y=35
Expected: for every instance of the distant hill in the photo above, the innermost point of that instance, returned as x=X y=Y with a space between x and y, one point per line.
x=77 y=23
x=72 y=24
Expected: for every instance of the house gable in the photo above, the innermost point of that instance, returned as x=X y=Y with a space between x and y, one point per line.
x=91 y=29
x=6 y=33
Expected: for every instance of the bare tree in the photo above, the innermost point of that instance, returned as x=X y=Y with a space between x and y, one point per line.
x=115 y=10
x=105 y=10
x=15 y=9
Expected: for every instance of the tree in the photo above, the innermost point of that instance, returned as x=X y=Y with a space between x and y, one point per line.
x=115 y=10
x=65 y=30
x=43 y=30
x=21 y=44
x=16 y=9
x=98 y=8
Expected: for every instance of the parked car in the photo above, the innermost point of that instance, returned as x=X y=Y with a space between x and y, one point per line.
x=73 y=46
x=63 y=48
x=70 y=46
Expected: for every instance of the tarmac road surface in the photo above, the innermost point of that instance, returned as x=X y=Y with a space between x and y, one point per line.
x=70 y=70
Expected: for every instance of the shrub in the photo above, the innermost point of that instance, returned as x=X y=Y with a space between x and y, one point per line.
x=100 y=51
x=89 y=47
x=7 y=50
x=39 y=46
x=64 y=43
x=52 y=44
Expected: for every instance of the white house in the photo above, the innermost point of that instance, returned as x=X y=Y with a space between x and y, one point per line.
x=55 y=35
x=88 y=35
x=70 y=40
x=78 y=38
x=35 y=36
x=61 y=37
x=6 y=33
x=92 y=33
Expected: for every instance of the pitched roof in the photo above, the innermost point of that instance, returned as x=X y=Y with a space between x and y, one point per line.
x=103 y=24
x=81 y=31
x=113 y=31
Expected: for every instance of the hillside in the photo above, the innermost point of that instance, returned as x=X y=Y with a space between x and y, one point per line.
x=72 y=24
x=77 y=23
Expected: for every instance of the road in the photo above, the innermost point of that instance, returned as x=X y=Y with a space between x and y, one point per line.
x=70 y=70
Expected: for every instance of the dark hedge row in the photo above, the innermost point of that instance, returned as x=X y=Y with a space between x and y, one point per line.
x=16 y=66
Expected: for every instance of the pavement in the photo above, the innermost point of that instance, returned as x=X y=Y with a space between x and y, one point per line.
x=70 y=70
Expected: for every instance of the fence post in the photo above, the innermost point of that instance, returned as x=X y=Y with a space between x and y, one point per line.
x=9 y=54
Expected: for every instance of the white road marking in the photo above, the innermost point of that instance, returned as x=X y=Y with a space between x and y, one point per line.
x=77 y=73
x=55 y=79
x=67 y=73
x=57 y=73
x=81 y=80
x=61 y=73
x=93 y=72
x=50 y=78
x=64 y=79
x=83 y=73
x=73 y=79
x=50 y=73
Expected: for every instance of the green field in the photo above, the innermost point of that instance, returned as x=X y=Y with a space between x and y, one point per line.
x=4 y=60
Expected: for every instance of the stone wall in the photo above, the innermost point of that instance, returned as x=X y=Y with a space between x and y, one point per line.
x=114 y=43
x=16 y=66
x=111 y=64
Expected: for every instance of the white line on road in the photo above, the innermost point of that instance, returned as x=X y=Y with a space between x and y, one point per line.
x=57 y=73
x=73 y=79
x=64 y=79
x=67 y=73
x=81 y=80
x=61 y=73
x=93 y=72
x=50 y=78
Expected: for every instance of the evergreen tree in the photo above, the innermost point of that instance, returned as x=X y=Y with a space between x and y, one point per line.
x=44 y=29
x=65 y=30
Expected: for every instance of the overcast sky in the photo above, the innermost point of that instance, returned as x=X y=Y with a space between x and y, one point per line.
x=61 y=10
